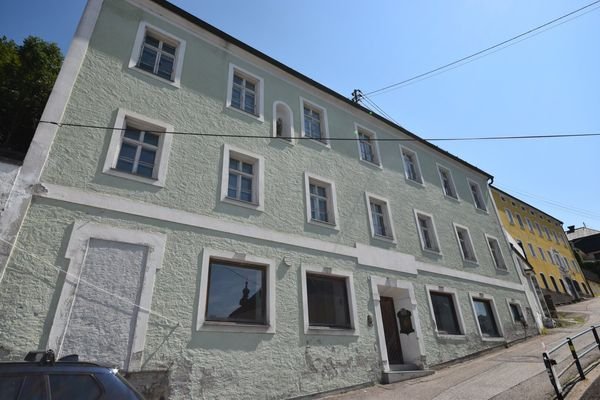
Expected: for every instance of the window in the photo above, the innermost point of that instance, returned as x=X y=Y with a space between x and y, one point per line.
x=537 y=226
x=547 y=233
x=584 y=288
x=320 y=201
x=314 y=122
x=530 y=225
x=237 y=293
x=509 y=216
x=554 y=284
x=445 y=311
x=542 y=253
x=562 y=283
x=515 y=311
x=520 y=221
x=488 y=324
x=367 y=146
x=283 y=121
x=556 y=237
x=242 y=178
x=158 y=53
x=477 y=195
x=545 y=281
x=245 y=92
x=464 y=242
x=380 y=218
x=574 y=264
x=427 y=232
x=329 y=306
x=412 y=170
x=78 y=386
x=532 y=250
x=447 y=182
x=551 y=257
x=139 y=149
x=496 y=252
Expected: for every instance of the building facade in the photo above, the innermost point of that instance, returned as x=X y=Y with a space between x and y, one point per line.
x=546 y=246
x=186 y=208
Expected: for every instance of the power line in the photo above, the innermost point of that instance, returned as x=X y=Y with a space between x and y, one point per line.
x=229 y=135
x=480 y=52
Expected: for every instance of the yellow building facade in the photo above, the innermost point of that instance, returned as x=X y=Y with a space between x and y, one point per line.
x=545 y=244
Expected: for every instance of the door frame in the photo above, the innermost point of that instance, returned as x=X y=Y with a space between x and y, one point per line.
x=412 y=348
x=76 y=252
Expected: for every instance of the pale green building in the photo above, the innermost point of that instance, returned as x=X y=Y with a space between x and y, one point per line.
x=187 y=209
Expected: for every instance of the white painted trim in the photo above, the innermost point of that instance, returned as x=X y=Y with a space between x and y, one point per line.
x=435 y=238
x=452 y=182
x=387 y=215
x=516 y=302
x=143 y=123
x=144 y=27
x=470 y=238
x=365 y=255
x=324 y=121
x=75 y=252
x=457 y=310
x=469 y=182
x=260 y=93
x=377 y=281
x=202 y=325
x=360 y=128
x=258 y=186
x=483 y=296
x=331 y=200
x=487 y=237
x=419 y=171
x=336 y=272
x=292 y=139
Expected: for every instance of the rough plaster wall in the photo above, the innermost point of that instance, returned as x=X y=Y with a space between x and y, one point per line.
x=8 y=174
x=215 y=365
x=106 y=83
x=101 y=326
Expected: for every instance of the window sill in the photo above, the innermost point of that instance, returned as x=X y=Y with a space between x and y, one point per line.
x=252 y=206
x=323 y=330
x=287 y=140
x=323 y=224
x=325 y=144
x=216 y=326
x=371 y=164
x=431 y=251
x=387 y=239
x=474 y=263
x=481 y=211
x=492 y=338
x=159 y=78
x=259 y=118
x=454 y=199
x=501 y=270
x=446 y=336
x=414 y=183
x=137 y=178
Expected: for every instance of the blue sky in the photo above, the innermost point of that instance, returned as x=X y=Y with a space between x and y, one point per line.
x=547 y=84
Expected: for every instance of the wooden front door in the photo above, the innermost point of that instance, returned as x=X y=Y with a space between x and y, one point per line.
x=390 y=329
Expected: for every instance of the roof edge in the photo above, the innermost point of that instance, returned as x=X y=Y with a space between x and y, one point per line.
x=526 y=203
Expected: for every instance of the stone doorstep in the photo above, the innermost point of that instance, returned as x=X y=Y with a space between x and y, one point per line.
x=398 y=376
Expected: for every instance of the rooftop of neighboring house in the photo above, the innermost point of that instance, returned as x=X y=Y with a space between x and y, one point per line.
x=576 y=233
x=590 y=275
x=547 y=216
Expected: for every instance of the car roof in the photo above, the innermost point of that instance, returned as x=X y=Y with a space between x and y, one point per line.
x=59 y=366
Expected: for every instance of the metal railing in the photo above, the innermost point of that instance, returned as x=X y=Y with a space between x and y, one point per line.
x=551 y=363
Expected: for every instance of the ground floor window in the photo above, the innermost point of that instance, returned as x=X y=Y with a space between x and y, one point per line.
x=327 y=298
x=485 y=318
x=444 y=311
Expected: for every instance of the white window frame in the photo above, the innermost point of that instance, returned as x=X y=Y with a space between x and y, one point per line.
x=334 y=272
x=457 y=310
x=417 y=165
x=292 y=138
x=374 y=145
x=217 y=326
x=441 y=167
x=76 y=252
x=509 y=215
x=387 y=216
x=259 y=92
x=469 y=182
x=518 y=304
x=483 y=296
x=258 y=185
x=324 y=122
x=161 y=34
x=161 y=162
x=487 y=241
x=331 y=201
x=418 y=213
x=469 y=239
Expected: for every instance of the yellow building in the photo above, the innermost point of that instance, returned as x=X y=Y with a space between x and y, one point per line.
x=545 y=245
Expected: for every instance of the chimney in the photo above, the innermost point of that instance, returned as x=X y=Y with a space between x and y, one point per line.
x=571 y=228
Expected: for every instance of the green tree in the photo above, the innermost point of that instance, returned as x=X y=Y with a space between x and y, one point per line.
x=27 y=74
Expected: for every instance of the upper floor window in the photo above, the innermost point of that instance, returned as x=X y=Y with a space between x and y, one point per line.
x=412 y=169
x=547 y=233
x=242 y=178
x=447 y=182
x=367 y=146
x=509 y=216
x=320 y=200
x=139 y=148
x=537 y=226
x=541 y=253
x=380 y=217
x=245 y=92
x=496 y=252
x=314 y=122
x=427 y=232
x=532 y=250
x=529 y=224
x=466 y=245
x=556 y=237
x=158 y=53
x=520 y=221
x=477 y=195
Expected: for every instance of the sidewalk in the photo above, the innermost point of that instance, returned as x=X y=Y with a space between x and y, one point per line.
x=514 y=373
